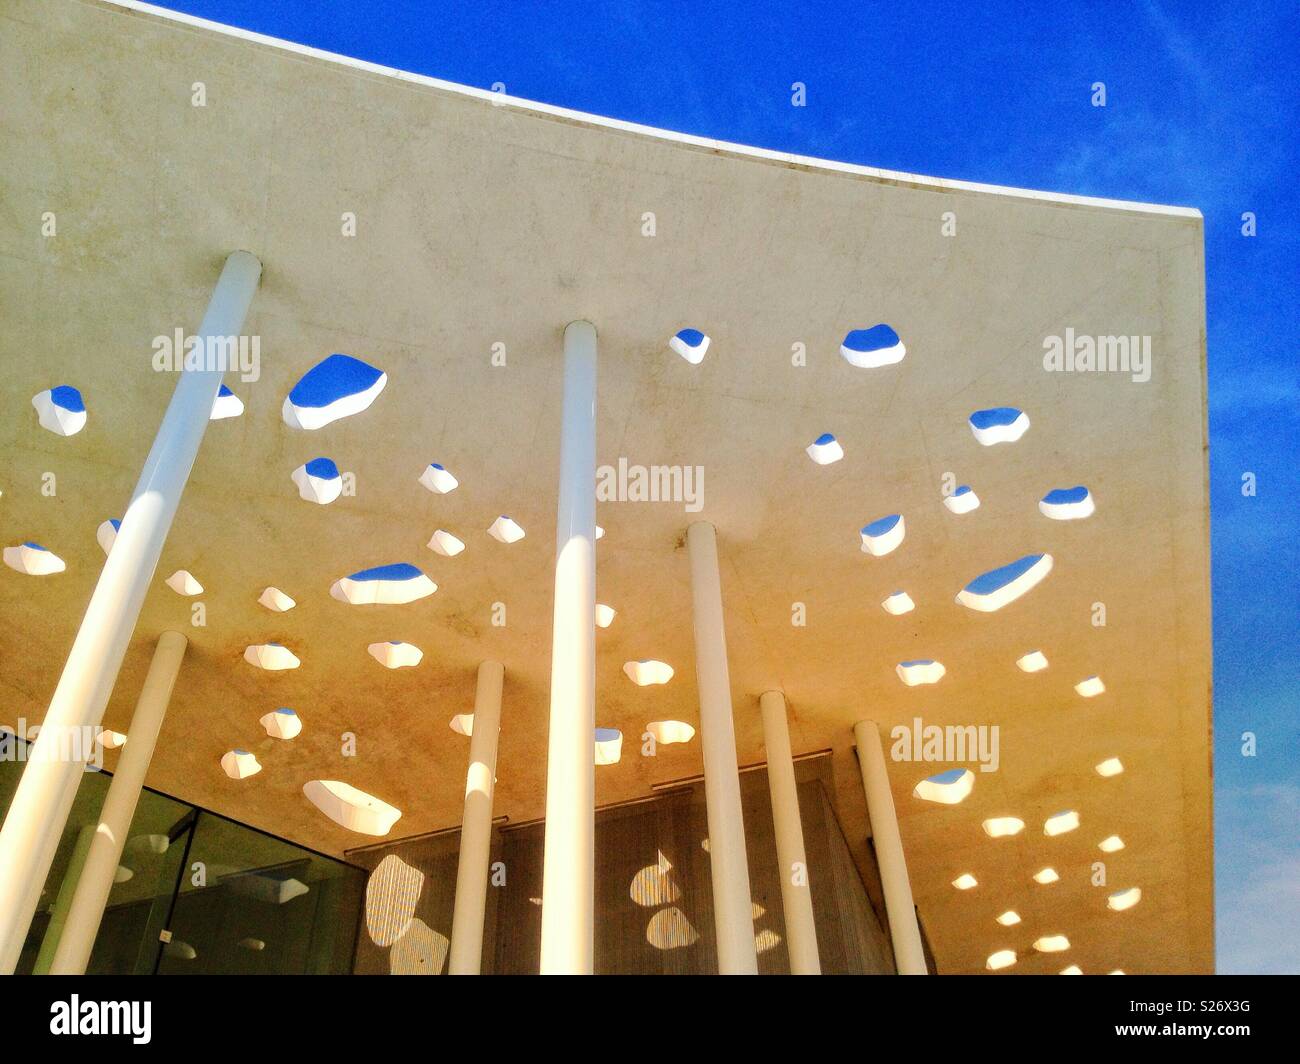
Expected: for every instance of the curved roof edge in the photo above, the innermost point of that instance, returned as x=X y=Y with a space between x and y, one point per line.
x=688 y=140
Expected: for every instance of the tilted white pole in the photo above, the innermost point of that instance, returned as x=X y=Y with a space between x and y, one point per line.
x=82 y=925
x=46 y=791
x=909 y=956
x=569 y=861
x=796 y=895
x=466 y=955
x=733 y=916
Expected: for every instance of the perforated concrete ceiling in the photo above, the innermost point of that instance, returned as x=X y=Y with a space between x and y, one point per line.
x=482 y=226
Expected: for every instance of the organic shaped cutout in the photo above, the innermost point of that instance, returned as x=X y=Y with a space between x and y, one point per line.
x=421 y=951
x=226 y=404
x=271 y=656
x=110 y=740
x=383 y=585
x=915 y=673
x=1003 y=958
x=256 y=945
x=462 y=724
x=1060 y=823
x=645 y=673
x=276 y=600
x=884 y=535
x=437 y=479
x=1067 y=504
x=1009 y=918
x=33 y=559
x=396 y=655
x=122 y=874
x=898 y=603
x=60 y=410
x=651 y=886
x=1117 y=971
x=1073 y=969
x=600 y=532
x=282 y=723
x=609 y=746
x=392 y=894
x=106 y=534
x=946 y=788
x=1090 y=688
x=240 y=764
x=825 y=449
x=669 y=929
x=963 y=500
x=334 y=388
x=183 y=583
x=505 y=530
x=1001 y=424
x=1111 y=844
x=1124 y=899
x=1000 y=587
x=965 y=881
x=1051 y=944
x=605 y=615
x=691 y=344
x=668 y=732
x=872 y=348
x=444 y=543
x=1112 y=766
x=318 y=481
x=1000 y=827
x=351 y=808
x=1034 y=661
x=1045 y=876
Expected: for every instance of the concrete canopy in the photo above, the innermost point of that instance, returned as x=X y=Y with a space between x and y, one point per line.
x=482 y=220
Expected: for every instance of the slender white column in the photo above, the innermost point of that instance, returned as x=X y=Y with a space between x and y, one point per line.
x=909 y=956
x=733 y=916
x=796 y=895
x=45 y=794
x=466 y=956
x=87 y=910
x=569 y=863
x=63 y=903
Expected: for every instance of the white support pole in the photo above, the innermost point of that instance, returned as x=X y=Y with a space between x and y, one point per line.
x=733 y=916
x=909 y=956
x=87 y=910
x=63 y=902
x=569 y=862
x=796 y=895
x=466 y=956
x=46 y=791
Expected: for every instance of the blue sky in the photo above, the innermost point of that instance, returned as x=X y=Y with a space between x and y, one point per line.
x=1198 y=113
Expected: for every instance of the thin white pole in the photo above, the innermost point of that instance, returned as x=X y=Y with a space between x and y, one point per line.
x=733 y=916
x=466 y=956
x=63 y=903
x=569 y=862
x=909 y=956
x=74 y=948
x=796 y=895
x=48 y=787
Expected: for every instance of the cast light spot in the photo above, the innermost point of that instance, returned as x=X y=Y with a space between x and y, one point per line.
x=1124 y=899
x=1009 y=918
x=256 y=945
x=898 y=603
x=394 y=655
x=240 y=764
x=765 y=940
x=1046 y=876
x=421 y=951
x=276 y=600
x=1073 y=969
x=271 y=656
x=505 y=530
x=123 y=874
x=873 y=347
x=282 y=723
x=669 y=929
x=183 y=583
x=1112 y=766
x=999 y=827
x=226 y=404
x=33 y=559
x=965 y=881
x=274 y=888
x=334 y=388
x=1000 y=587
x=1051 y=944
x=1067 y=504
x=668 y=732
x=444 y=543
x=1000 y=424
x=825 y=449
x=883 y=535
x=946 y=788
x=915 y=673
x=609 y=746
x=462 y=724
x=437 y=479
x=110 y=740
x=963 y=500
x=1034 y=661
x=392 y=893
x=646 y=673
x=106 y=534
x=652 y=886
x=179 y=951
x=60 y=410
x=1090 y=688
x=147 y=844
x=351 y=808
x=605 y=615
x=691 y=344
x=1111 y=844
x=1060 y=823
x=383 y=585
x=1116 y=971
x=318 y=481
x=1003 y=958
